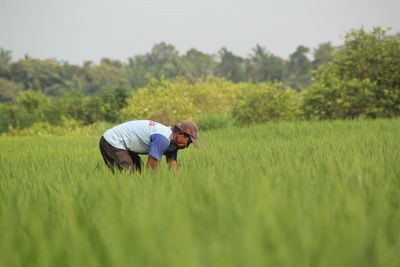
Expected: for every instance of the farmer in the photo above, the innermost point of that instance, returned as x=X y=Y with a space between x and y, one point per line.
x=121 y=145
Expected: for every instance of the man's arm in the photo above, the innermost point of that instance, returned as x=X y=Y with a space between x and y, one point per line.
x=152 y=163
x=158 y=145
x=173 y=164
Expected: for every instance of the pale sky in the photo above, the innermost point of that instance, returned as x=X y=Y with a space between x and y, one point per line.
x=80 y=30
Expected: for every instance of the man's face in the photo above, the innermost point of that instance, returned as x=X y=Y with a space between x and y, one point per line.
x=181 y=140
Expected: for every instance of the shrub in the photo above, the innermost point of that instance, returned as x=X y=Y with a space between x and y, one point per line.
x=362 y=80
x=340 y=99
x=163 y=101
x=66 y=127
x=216 y=96
x=9 y=90
x=28 y=108
x=45 y=128
x=258 y=103
x=171 y=101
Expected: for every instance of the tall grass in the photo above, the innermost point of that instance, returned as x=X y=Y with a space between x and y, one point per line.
x=281 y=194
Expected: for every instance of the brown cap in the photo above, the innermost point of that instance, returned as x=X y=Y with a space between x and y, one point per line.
x=190 y=128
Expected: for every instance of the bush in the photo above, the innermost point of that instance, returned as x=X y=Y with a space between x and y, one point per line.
x=171 y=101
x=362 y=80
x=216 y=96
x=75 y=106
x=9 y=90
x=163 y=101
x=12 y=115
x=258 y=103
x=340 y=99
x=29 y=107
x=66 y=127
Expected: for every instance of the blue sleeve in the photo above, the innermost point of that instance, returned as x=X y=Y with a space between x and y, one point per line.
x=158 y=145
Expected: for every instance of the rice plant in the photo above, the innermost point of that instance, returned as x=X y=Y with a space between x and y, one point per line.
x=280 y=194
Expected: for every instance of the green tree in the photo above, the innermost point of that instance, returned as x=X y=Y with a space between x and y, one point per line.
x=112 y=101
x=162 y=100
x=106 y=105
x=262 y=102
x=298 y=71
x=30 y=107
x=163 y=61
x=74 y=78
x=9 y=90
x=37 y=75
x=13 y=116
x=72 y=105
x=99 y=77
x=198 y=65
x=169 y=101
x=33 y=101
x=111 y=62
x=322 y=54
x=231 y=66
x=137 y=71
x=363 y=79
x=265 y=67
x=5 y=57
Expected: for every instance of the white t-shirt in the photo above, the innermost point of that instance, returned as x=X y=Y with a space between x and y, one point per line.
x=142 y=137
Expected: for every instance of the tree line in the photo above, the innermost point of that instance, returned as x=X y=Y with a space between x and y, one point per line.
x=359 y=78
x=54 y=78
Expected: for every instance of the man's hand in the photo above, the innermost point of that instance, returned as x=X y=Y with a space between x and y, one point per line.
x=173 y=164
x=152 y=163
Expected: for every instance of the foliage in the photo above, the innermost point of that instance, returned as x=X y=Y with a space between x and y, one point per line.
x=298 y=71
x=35 y=104
x=218 y=95
x=37 y=75
x=55 y=78
x=111 y=101
x=322 y=54
x=13 y=116
x=32 y=107
x=104 y=106
x=137 y=72
x=65 y=127
x=29 y=107
x=161 y=100
x=231 y=66
x=265 y=67
x=198 y=66
x=362 y=80
x=263 y=102
x=9 y=90
x=163 y=61
x=5 y=57
x=171 y=101
x=73 y=105
x=45 y=129
x=359 y=79
x=103 y=76
x=33 y=101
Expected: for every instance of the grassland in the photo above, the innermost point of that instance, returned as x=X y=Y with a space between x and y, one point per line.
x=281 y=194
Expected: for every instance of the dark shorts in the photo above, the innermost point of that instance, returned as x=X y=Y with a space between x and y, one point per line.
x=120 y=159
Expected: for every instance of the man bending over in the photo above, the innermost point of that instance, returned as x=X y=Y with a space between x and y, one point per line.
x=121 y=145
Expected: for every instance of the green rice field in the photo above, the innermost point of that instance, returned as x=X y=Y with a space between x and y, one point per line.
x=280 y=194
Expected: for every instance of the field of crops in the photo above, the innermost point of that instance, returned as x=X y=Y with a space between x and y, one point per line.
x=280 y=194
